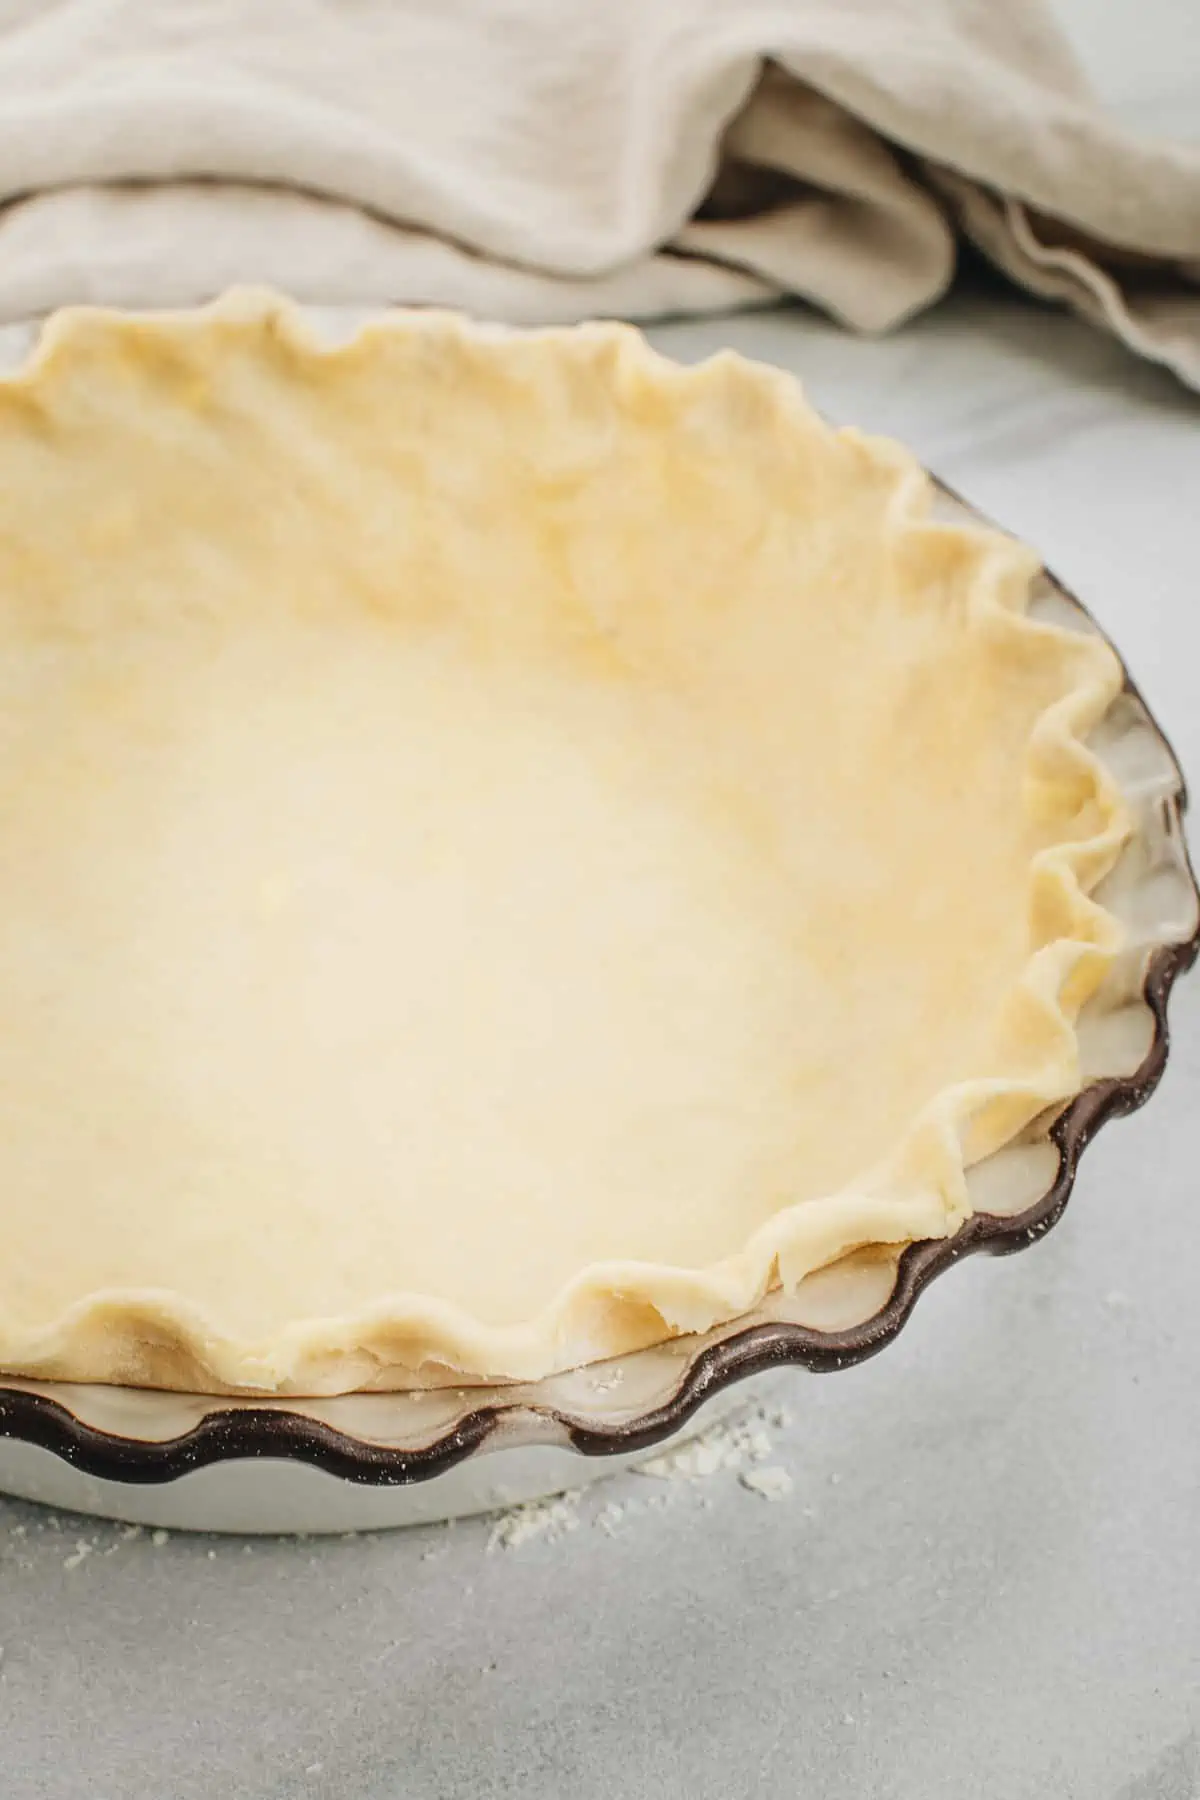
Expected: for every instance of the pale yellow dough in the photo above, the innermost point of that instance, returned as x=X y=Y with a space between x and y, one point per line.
x=508 y=848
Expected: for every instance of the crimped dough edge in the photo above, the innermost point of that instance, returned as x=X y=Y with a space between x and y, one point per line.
x=157 y=1339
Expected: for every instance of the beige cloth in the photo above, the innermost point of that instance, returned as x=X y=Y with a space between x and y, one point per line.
x=542 y=160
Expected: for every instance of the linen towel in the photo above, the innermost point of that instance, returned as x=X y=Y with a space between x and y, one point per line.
x=545 y=160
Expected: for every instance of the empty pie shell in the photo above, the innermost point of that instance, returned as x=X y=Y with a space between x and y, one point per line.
x=509 y=849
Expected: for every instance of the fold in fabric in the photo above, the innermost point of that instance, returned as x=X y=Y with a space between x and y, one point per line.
x=537 y=163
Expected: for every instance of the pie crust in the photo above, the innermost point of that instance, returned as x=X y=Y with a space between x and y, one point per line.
x=509 y=848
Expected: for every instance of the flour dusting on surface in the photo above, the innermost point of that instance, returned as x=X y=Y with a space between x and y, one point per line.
x=741 y=1440
x=740 y=1445
x=771 y=1482
x=546 y=1520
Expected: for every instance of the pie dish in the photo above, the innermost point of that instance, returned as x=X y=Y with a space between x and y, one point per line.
x=362 y=1461
x=515 y=851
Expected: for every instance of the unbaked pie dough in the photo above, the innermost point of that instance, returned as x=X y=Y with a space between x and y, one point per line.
x=508 y=848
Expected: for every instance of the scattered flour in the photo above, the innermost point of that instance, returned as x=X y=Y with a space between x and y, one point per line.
x=612 y=1515
x=772 y=1482
x=536 y=1519
x=744 y=1438
x=740 y=1445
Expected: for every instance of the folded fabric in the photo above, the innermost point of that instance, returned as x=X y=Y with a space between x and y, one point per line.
x=543 y=160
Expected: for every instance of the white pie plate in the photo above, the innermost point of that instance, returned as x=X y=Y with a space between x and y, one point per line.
x=361 y=1461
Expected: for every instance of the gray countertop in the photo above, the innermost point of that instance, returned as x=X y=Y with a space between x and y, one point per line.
x=985 y=1580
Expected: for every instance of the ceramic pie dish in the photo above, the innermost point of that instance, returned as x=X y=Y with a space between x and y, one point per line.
x=1115 y=911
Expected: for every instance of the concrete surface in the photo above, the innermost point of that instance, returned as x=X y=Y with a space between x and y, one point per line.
x=985 y=1581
